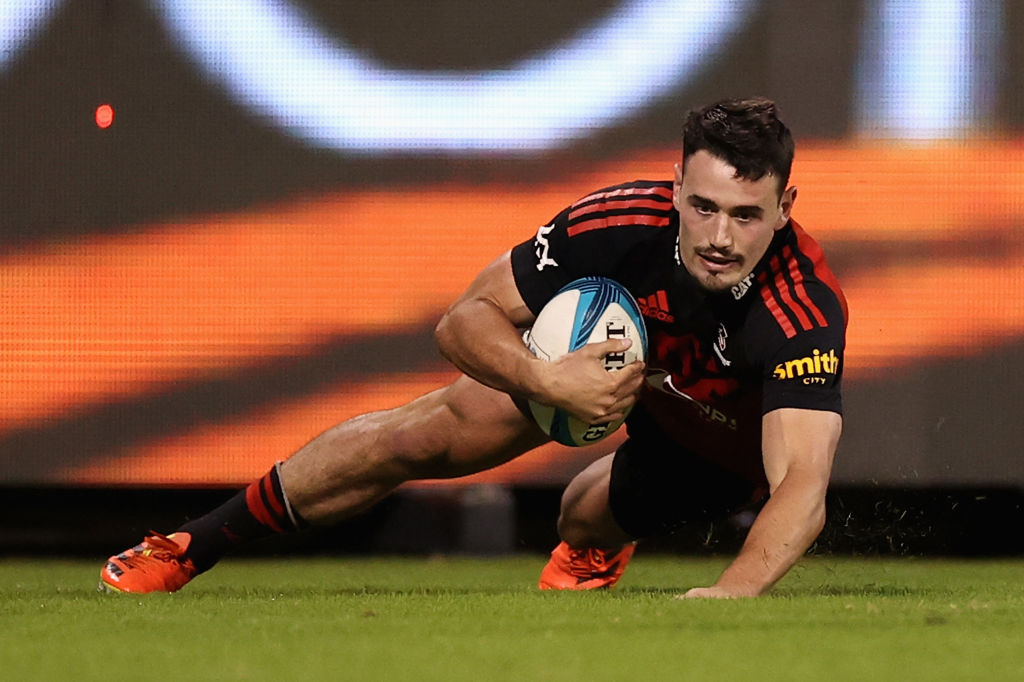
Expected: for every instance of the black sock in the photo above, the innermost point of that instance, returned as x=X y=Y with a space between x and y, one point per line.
x=256 y=512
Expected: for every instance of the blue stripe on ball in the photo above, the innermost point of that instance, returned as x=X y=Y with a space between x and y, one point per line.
x=595 y=294
x=560 y=428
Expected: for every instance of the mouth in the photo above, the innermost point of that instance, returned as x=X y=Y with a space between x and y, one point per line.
x=715 y=262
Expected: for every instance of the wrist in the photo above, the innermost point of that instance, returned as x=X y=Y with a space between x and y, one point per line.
x=532 y=379
x=739 y=583
x=738 y=589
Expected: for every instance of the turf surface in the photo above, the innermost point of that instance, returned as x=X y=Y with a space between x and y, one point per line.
x=481 y=619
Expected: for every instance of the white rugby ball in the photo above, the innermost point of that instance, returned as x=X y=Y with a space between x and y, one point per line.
x=586 y=310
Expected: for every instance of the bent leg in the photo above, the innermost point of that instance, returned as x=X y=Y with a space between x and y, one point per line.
x=594 y=550
x=586 y=518
x=454 y=431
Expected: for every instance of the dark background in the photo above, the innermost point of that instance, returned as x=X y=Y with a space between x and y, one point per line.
x=938 y=466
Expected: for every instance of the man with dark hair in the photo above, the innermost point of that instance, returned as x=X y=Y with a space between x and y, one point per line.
x=738 y=399
x=746 y=134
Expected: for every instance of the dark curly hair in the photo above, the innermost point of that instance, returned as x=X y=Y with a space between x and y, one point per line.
x=746 y=133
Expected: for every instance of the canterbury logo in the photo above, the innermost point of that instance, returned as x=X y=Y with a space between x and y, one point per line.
x=543 y=246
x=656 y=306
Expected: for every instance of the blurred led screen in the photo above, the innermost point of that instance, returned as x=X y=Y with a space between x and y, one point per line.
x=228 y=225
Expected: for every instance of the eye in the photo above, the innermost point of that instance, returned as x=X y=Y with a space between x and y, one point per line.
x=701 y=209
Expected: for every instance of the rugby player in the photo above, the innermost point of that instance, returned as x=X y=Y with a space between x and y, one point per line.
x=738 y=403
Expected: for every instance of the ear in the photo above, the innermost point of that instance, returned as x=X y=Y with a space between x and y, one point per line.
x=786 y=206
x=677 y=186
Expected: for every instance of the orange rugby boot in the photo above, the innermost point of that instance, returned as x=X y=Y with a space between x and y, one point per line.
x=158 y=564
x=584 y=569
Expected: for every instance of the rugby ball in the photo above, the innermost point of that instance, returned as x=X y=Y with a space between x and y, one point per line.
x=586 y=310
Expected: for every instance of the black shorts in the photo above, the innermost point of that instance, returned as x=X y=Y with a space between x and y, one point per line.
x=657 y=486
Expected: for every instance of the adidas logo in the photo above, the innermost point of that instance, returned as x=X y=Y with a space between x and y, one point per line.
x=656 y=306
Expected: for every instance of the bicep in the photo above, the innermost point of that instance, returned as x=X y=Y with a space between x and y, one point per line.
x=800 y=441
x=496 y=285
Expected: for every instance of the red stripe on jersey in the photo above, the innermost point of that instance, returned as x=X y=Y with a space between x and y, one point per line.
x=807 y=246
x=612 y=221
x=783 y=286
x=774 y=308
x=665 y=192
x=617 y=205
x=798 y=287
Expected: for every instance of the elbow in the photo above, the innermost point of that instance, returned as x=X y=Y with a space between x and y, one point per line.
x=816 y=518
x=443 y=335
x=807 y=492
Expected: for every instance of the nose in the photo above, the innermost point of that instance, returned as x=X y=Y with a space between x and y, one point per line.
x=721 y=234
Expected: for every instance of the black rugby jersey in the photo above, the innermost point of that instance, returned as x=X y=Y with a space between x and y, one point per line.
x=716 y=362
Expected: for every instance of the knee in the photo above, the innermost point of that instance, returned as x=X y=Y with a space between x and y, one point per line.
x=596 y=529
x=574 y=530
x=585 y=519
x=582 y=530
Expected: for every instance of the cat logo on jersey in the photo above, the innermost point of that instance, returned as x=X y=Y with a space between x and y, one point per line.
x=809 y=369
x=743 y=286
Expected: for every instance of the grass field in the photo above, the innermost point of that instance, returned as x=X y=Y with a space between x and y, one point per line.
x=482 y=619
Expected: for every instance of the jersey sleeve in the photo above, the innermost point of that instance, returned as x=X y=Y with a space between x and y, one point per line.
x=803 y=368
x=545 y=263
x=600 y=234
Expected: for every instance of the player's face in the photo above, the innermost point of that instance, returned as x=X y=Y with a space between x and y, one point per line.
x=725 y=223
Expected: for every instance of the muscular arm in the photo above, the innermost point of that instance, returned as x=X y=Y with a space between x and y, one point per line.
x=799 y=446
x=478 y=334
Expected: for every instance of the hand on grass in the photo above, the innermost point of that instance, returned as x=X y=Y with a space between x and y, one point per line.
x=713 y=592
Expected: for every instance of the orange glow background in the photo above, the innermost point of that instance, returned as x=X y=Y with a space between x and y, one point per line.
x=923 y=239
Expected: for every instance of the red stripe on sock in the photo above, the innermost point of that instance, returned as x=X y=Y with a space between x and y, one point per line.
x=254 y=501
x=268 y=493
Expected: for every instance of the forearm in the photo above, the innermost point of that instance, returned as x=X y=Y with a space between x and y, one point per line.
x=479 y=339
x=787 y=525
x=480 y=335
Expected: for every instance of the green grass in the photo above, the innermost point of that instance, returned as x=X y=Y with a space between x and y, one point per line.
x=482 y=619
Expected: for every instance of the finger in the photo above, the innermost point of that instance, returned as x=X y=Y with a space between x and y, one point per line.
x=633 y=370
x=619 y=409
x=626 y=384
x=600 y=349
x=707 y=593
x=607 y=418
